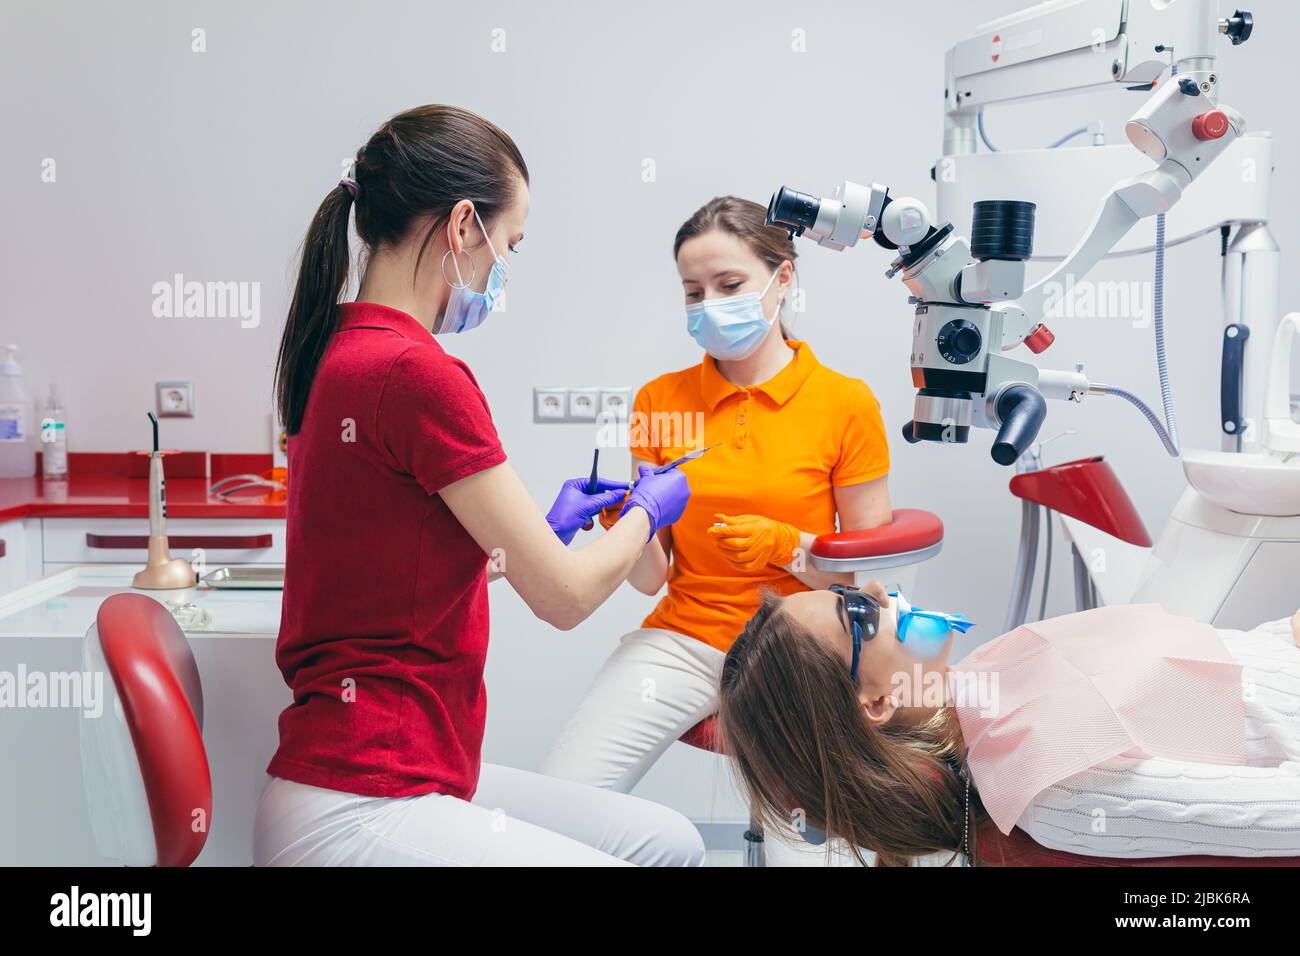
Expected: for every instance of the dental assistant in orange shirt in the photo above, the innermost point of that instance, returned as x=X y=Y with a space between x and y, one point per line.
x=799 y=447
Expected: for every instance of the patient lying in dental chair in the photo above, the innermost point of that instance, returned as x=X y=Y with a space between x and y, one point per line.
x=1121 y=732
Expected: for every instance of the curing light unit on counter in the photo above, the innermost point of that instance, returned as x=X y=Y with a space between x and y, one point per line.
x=162 y=572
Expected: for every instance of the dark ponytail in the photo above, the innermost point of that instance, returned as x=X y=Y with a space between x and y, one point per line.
x=313 y=314
x=418 y=164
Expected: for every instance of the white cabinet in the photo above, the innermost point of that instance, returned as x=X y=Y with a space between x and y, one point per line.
x=20 y=553
x=13 y=551
x=214 y=542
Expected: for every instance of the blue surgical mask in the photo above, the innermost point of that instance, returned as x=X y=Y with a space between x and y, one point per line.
x=730 y=328
x=466 y=309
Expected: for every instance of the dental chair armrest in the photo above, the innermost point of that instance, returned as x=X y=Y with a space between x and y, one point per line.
x=911 y=537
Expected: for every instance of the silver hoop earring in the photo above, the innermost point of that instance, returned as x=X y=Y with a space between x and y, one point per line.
x=473 y=273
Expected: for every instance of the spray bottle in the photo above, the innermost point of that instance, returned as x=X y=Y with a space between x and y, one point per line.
x=54 y=437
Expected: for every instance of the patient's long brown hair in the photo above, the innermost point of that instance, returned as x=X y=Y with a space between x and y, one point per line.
x=790 y=717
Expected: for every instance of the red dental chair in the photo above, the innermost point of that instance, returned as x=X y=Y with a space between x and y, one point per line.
x=1089 y=491
x=1018 y=848
x=911 y=537
x=144 y=767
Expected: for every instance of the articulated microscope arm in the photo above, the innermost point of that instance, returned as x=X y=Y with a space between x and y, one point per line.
x=971 y=303
x=1180 y=128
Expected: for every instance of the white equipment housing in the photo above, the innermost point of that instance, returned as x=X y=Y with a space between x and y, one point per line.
x=1230 y=551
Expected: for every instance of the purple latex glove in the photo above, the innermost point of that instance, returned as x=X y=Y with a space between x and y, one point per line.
x=574 y=508
x=662 y=496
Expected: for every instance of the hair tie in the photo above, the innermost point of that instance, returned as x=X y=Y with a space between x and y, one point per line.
x=350 y=184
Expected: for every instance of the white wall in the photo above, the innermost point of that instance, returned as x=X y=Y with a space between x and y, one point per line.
x=212 y=164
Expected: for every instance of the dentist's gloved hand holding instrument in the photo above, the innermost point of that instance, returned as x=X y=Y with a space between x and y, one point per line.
x=576 y=505
x=663 y=494
x=753 y=541
x=609 y=516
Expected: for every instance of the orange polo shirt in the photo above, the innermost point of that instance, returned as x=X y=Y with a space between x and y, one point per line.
x=784 y=445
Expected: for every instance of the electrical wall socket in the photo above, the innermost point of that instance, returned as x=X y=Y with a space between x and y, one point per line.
x=583 y=404
x=616 y=402
x=559 y=403
x=550 y=404
x=175 y=399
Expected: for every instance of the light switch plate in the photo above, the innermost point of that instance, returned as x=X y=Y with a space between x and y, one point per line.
x=175 y=399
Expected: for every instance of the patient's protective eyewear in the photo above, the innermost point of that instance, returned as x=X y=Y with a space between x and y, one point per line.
x=860 y=614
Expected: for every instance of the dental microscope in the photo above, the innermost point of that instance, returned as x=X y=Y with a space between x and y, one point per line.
x=972 y=306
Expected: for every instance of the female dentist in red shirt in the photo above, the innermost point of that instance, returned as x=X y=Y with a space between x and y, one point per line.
x=401 y=497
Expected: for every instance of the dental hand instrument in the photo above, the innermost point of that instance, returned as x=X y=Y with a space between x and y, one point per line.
x=691 y=456
x=593 y=483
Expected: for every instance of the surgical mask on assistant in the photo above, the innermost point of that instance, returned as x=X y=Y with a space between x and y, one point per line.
x=733 y=327
x=466 y=309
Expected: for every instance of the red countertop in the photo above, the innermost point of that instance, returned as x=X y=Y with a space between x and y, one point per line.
x=119 y=496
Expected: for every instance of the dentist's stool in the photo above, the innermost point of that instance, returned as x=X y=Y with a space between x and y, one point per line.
x=889 y=553
x=704 y=736
x=143 y=764
x=911 y=537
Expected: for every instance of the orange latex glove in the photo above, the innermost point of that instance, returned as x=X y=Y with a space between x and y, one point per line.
x=752 y=541
x=610 y=515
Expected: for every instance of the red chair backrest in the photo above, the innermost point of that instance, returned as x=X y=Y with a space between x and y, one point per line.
x=1089 y=490
x=156 y=683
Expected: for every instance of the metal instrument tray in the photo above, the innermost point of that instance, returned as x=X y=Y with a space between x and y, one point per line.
x=262 y=579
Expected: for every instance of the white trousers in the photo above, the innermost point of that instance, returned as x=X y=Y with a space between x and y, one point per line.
x=651 y=690
x=516 y=818
x=654 y=687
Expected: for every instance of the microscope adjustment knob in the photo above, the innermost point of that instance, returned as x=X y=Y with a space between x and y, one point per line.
x=1210 y=125
x=1039 y=339
x=959 y=341
x=1238 y=27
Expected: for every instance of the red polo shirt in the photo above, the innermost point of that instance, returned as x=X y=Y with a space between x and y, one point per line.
x=384 y=629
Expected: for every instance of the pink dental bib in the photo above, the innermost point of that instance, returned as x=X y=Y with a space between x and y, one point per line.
x=1053 y=698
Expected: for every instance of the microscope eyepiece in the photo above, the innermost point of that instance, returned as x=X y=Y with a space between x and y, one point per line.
x=1002 y=229
x=792 y=209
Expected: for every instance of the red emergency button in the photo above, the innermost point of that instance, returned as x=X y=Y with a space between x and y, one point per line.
x=1210 y=125
x=1039 y=339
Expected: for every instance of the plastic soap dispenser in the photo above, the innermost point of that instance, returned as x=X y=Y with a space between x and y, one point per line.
x=17 y=453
